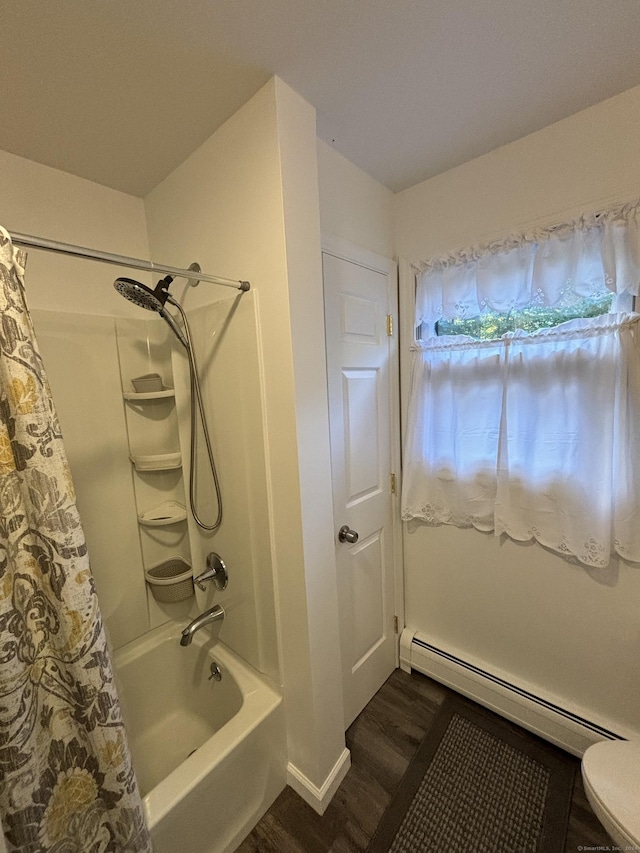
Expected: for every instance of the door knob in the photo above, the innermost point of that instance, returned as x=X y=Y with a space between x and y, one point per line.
x=345 y=534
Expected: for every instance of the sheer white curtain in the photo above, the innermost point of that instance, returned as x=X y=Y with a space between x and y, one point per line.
x=533 y=435
x=553 y=267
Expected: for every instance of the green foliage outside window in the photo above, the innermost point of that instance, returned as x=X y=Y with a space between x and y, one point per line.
x=490 y=326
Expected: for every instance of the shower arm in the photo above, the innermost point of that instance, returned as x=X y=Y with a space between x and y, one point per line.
x=46 y=245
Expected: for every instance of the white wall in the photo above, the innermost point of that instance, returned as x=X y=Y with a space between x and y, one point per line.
x=354 y=206
x=588 y=159
x=322 y=758
x=45 y=202
x=216 y=209
x=517 y=609
x=245 y=205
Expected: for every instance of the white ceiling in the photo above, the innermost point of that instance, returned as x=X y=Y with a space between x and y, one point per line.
x=122 y=91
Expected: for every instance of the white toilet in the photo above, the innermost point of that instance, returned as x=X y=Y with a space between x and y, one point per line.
x=611 y=775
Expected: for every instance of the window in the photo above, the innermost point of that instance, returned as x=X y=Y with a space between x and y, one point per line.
x=489 y=326
x=524 y=414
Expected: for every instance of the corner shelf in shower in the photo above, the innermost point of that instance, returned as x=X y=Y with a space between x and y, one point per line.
x=139 y=396
x=169 y=512
x=157 y=462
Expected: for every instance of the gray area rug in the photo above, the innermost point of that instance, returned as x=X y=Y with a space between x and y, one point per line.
x=479 y=784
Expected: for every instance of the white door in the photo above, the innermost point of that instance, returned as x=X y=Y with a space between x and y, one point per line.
x=360 y=359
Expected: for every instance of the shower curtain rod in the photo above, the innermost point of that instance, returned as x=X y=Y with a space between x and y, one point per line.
x=121 y=260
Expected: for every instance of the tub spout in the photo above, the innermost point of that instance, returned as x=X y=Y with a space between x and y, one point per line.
x=215 y=614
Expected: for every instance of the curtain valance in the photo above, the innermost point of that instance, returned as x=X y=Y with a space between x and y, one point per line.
x=585 y=259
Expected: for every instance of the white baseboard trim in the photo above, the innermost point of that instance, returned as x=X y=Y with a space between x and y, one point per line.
x=319 y=798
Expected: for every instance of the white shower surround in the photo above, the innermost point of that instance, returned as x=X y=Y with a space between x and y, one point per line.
x=246 y=760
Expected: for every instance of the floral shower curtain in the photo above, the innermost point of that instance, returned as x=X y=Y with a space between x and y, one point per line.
x=66 y=779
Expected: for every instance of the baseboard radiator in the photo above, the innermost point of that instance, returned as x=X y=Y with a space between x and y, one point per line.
x=564 y=727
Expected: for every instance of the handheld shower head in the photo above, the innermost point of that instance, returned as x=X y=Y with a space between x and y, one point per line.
x=177 y=331
x=151 y=300
x=141 y=295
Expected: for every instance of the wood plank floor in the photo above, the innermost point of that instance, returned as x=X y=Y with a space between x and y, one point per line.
x=382 y=741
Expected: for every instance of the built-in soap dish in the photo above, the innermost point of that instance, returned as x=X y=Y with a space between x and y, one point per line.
x=168 y=512
x=171 y=580
x=157 y=462
x=139 y=396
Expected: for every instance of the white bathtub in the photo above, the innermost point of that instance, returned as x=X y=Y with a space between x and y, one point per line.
x=210 y=757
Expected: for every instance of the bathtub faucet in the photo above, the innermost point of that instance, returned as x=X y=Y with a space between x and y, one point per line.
x=215 y=614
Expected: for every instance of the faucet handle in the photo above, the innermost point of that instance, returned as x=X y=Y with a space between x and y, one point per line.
x=216 y=571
